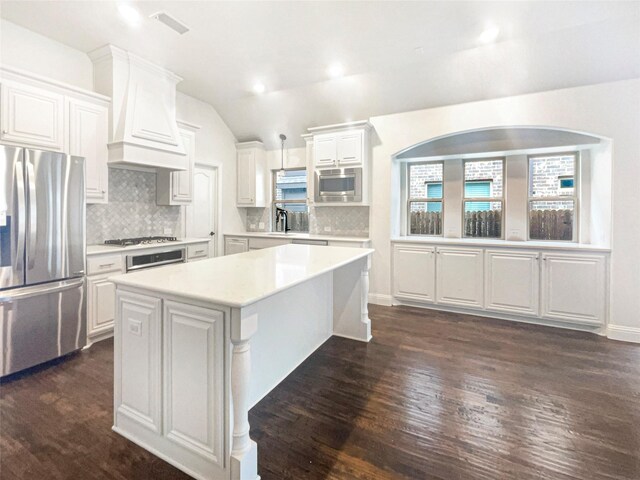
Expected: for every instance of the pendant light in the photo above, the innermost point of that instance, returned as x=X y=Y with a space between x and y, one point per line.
x=282 y=139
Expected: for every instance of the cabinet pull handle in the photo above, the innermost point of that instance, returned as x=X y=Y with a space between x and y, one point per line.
x=199 y=251
x=105 y=265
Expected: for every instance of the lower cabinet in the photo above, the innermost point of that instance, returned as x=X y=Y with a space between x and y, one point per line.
x=234 y=245
x=512 y=281
x=101 y=300
x=416 y=278
x=460 y=277
x=573 y=288
x=560 y=286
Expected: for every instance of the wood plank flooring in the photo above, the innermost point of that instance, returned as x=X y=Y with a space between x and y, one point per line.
x=434 y=396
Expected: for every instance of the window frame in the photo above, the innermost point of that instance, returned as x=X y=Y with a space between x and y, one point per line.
x=490 y=200
x=274 y=201
x=424 y=199
x=559 y=198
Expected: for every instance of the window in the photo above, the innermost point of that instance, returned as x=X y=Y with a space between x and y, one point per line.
x=290 y=193
x=424 y=198
x=483 y=198
x=553 y=197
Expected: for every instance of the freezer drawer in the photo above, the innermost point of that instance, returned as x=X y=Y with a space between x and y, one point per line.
x=40 y=323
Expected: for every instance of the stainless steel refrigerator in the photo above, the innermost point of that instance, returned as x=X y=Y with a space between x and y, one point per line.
x=42 y=256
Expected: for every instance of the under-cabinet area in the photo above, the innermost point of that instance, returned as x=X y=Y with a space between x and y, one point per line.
x=536 y=283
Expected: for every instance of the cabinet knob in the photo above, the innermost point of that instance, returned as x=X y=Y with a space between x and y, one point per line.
x=104 y=191
x=4 y=132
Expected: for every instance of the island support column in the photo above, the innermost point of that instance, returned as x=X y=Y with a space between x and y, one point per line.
x=244 y=451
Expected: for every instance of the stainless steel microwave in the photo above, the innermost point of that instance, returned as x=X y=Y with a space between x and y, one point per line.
x=338 y=185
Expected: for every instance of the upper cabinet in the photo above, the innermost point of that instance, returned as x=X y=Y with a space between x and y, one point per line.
x=341 y=148
x=33 y=117
x=251 y=175
x=43 y=114
x=88 y=128
x=176 y=188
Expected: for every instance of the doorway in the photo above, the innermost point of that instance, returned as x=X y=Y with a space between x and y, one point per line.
x=201 y=215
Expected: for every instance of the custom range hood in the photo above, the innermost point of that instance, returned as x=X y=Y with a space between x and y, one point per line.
x=142 y=121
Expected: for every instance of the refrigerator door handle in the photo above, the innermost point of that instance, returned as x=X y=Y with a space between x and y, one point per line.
x=9 y=296
x=33 y=214
x=19 y=177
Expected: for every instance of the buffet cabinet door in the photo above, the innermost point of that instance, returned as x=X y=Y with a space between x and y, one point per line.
x=512 y=279
x=414 y=272
x=460 y=277
x=138 y=386
x=194 y=379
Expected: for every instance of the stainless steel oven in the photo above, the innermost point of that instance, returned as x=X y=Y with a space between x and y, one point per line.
x=155 y=259
x=338 y=185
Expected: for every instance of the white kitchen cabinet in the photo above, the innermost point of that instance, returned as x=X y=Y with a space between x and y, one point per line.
x=33 y=117
x=414 y=272
x=234 y=245
x=251 y=175
x=101 y=300
x=325 y=150
x=193 y=379
x=573 y=288
x=197 y=251
x=176 y=188
x=460 y=277
x=350 y=148
x=512 y=281
x=88 y=135
x=138 y=398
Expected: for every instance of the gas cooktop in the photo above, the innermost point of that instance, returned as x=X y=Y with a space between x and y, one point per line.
x=126 y=242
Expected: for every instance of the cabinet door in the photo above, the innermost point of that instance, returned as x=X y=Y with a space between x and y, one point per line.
x=350 y=148
x=511 y=280
x=325 y=150
x=137 y=388
x=246 y=177
x=574 y=288
x=193 y=379
x=414 y=272
x=460 y=278
x=101 y=301
x=235 y=245
x=88 y=131
x=33 y=117
x=182 y=182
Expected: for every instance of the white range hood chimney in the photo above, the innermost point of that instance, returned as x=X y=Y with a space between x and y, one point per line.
x=142 y=121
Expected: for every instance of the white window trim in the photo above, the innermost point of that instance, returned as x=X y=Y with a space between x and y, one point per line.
x=425 y=199
x=500 y=199
x=560 y=198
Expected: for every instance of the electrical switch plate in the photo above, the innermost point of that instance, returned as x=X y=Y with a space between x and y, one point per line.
x=327 y=229
x=167 y=231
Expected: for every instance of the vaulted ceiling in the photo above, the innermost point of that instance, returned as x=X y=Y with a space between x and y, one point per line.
x=397 y=56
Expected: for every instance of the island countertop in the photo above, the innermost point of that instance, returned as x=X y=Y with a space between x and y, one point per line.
x=242 y=279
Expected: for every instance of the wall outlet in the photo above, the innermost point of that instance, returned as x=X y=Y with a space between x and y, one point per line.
x=261 y=225
x=327 y=229
x=252 y=226
x=167 y=231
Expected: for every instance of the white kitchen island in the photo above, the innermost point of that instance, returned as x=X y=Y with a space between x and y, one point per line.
x=198 y=344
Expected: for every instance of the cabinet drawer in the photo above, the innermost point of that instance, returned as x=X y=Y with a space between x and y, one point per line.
x=257 y=243
x=105 y=264
x=199 y=250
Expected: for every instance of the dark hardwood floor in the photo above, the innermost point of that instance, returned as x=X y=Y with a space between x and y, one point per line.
x=433 y=396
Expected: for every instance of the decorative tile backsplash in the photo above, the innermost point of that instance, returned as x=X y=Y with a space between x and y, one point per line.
x=343 y=221
x=132 y=209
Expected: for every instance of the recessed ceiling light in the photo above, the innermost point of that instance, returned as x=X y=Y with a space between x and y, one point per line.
x=489 y=35
x=130 y=14
x=336 y=70
x=259 y=87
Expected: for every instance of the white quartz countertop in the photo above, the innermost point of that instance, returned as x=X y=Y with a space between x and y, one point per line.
x=245 y=278
x=487 y=242
x=101 y=249
x=304 y=236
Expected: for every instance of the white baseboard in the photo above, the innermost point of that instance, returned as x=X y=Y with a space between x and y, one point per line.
x=380 y=299
x=624 y=334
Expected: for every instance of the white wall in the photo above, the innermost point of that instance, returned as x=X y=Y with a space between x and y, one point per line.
x=24 y=49
x=610 y=110
x=216 y=146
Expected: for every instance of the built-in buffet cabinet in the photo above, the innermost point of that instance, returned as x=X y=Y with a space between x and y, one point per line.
x=101 y=291
x=556 y=286
x=46 y=115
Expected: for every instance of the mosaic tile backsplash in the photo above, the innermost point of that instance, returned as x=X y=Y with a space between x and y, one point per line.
x=343 y=221
x=132 y=209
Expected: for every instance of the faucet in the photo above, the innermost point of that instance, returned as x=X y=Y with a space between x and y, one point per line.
x=282 y=219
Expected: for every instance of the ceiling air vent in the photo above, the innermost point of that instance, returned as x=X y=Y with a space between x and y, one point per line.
x=171 y=22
